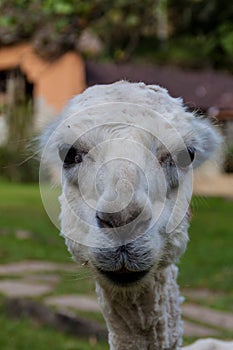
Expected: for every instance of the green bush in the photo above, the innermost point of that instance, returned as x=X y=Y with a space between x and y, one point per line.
x=18 y=167
x=228 y=164
x=16 y=162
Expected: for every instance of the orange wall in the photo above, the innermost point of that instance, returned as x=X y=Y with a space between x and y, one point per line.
x=56 y=82
x=10 y=57
x=61 y=80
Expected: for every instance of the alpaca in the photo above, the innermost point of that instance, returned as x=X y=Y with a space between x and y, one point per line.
x=126 y=153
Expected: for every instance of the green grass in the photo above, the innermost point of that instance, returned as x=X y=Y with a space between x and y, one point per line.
x=23 y=334
x=207 y=262
x=21 y=208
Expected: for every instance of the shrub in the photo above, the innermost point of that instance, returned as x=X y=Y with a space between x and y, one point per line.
x=17 y=166
x=228 y=164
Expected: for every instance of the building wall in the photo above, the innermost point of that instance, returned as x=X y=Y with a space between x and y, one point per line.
x=54 y=82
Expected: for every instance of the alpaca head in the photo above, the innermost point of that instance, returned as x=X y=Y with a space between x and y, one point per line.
x=126 y=153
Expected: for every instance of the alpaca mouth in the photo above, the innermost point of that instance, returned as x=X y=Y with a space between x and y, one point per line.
x=124 y=276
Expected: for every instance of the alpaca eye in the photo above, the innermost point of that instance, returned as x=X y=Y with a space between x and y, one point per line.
x=69 y=155
x=185 y=157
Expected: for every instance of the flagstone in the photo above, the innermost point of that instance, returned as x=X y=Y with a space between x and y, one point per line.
x=20 y=288
x=209 y=316
x=77 y=302
x=23 y=267
x=195 y=330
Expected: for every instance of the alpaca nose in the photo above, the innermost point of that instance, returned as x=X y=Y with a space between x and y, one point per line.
x=116 y=219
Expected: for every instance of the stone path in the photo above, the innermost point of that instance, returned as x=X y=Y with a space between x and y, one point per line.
x=191 y=329
x=75 y=302
x=25 y=267
x=22 y=288
x=212 y=317
x=38 y=279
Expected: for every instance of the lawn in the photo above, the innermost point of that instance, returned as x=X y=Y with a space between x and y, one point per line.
x=25 y=335
x=21 y=209
x=208 y=259
x=207 y=262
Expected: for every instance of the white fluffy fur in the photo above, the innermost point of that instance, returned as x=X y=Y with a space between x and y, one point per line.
x=125 y=133
x=210 y=344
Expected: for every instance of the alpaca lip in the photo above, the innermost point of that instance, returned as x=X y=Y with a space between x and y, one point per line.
x=124 y=276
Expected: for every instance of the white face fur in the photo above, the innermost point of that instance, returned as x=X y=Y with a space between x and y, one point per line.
x=127 y=152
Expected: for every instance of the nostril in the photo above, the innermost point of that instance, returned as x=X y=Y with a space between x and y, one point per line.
x=117 y=219
x=103 y=223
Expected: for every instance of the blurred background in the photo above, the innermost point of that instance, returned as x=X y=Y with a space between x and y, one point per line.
x=51 y=51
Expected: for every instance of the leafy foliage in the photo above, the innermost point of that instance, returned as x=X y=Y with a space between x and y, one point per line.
x=228 y=164
x=187 y=32
x=18 y=166
x=18 y=113
x=209 y=24
x=55 y=26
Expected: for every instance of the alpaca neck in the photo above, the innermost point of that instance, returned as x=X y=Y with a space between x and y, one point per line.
x=147 y=320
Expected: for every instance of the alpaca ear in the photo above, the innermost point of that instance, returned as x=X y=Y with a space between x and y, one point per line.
x=207 y=140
